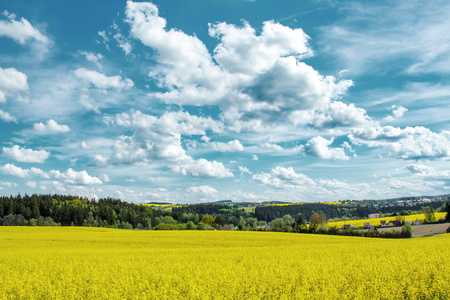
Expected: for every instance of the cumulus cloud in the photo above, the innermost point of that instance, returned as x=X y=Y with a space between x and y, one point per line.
x=170 y=122
x=59 y=186
x=272 y=146
x=93 y=57
x=242 y=51
x=160 y=139
x=319 y=147
x=105 y=178
x=72 y=177
x=21 y=31
x=89 y=104
x=203 y=191
x=11 y=82
x=253 y=78
x=31 y=184
x=7 y=117
x=338 y=114
x=232 y=146
x=408 y=143
x=11 y=169
x=244 y=170
x=51 y=127
x=69 y=177
x=102 y=81
x=123 y=43
x=292 y=85
x=25 y=155
x=201 y=168
x=298 y=186
x=282 y=178
x=397 y=112
x=424 y=172
x=399 y=184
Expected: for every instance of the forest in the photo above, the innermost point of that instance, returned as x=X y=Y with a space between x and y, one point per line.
x=66 y=210
x=354 y=211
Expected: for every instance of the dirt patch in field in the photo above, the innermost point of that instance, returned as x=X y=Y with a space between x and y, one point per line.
x=422 y=230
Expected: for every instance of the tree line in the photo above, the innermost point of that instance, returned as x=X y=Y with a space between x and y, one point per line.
x=271 y=212
x=66 y=210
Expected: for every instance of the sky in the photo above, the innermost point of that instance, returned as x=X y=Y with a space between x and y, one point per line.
x=188 y=101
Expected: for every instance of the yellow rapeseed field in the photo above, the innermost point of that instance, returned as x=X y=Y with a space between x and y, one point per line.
x=376 y=221
x=98 y=263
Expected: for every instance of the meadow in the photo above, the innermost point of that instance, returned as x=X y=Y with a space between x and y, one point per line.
x=100 y=263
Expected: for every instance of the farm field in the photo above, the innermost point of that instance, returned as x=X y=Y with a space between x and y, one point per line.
x=376 y=221
x=423 y=230
x=99 y=263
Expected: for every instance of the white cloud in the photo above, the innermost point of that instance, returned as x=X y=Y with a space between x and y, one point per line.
x=339 y=114
x=418 y=168
x=59 y=186
x=159 y=139
x=31 y=184
x=69 y=177
x=397 y=112
x=282 y=178
x=242 y=51
x=252 y=78
x=105 y=178
x=25 y=155
x=255 y=157
x=244 y=170
x=93 y=57
x=102 y=81
x=232 y=146
x=11 y=169
x=399 y=184
x=11 y=82
x=299 y=187
x=85 y=146
x=292 y=85
x=5 y=116
x=271 y=146
x=201 y=168
x=89 y=104
x=408 y=143
x=423 y=172
x=203 y=191
x=75 y=178
x=170 y=122
x=319 y=147
x=123 y=43
x=52 y=127
x=21 y=31
x=7 y=184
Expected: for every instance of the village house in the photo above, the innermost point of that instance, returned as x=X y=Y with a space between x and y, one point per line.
x=368 y=225
x=394 y=223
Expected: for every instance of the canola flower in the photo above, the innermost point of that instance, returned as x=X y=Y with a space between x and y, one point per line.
x=376 y=221
x=99 y=263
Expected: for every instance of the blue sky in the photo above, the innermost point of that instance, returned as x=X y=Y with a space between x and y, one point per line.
x=190 y=101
